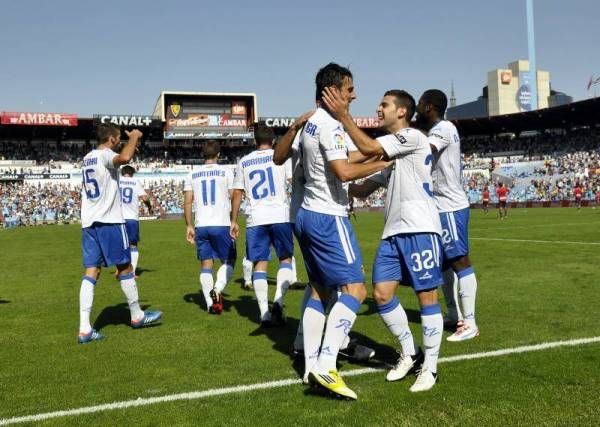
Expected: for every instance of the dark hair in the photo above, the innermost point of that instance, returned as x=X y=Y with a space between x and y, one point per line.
x=330 y=75
x=403 y=99
x=263 y=134
x=437 y=99
x=127 y=170
x=105 y=131
x=211 y=149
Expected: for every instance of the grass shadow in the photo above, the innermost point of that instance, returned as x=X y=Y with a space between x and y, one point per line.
x=115 y=315
x=140 y=271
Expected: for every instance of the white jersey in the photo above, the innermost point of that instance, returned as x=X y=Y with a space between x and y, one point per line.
x=323 y=140
x=100 y=201
x=265 y=185
x=447 y=187
x=409 y=203
x=211 y=184
x=131 y=191
x=298 y=181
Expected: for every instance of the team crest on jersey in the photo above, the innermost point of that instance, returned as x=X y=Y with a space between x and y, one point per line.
x=339 y=141
x=175 y=109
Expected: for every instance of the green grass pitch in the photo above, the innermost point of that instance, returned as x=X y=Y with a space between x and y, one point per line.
x=530 y=292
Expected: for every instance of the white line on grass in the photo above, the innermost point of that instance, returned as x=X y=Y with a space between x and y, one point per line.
x=562 y=242
x=274 y=384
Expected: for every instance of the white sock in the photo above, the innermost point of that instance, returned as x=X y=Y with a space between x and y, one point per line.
x=450 y=292
x=135 y=256
x=313 y=323
x=86 y=300
x=261 y=289
x=294 y=273
x=284 y=280
x=340 y=321
x=432 y=323
x=299 y=340
x=224 y=274
x=206 y=283
x=395 y=319
x=129 y=288
x=467 y=284
x=247 y=270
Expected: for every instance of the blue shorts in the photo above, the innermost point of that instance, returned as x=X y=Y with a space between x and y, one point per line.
x=215 y=243
x=104 y=245
x=260 y=238
x=133 y=230
x=412 y=259
x=455 y=233
x=329 y=247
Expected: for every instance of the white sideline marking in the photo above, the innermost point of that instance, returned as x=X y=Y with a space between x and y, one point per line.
x=274 y=384
x=563 y=242
x=550 y=224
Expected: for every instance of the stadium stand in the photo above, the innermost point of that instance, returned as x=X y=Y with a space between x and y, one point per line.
x=543 y=165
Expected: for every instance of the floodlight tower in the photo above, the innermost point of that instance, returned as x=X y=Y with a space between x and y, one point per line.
x=531 y=53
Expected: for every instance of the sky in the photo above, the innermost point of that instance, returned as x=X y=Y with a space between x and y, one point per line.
x=116 y=57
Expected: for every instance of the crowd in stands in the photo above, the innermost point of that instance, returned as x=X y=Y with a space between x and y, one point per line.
x=558 y=163
x=27 y=204
x=148 y=155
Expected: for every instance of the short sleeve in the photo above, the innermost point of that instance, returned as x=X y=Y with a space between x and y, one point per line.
x=349 y=143
x=401 y=143
x=296 y=142
x=229 y=175
x=187 y=183
x=438 y=138
x=107 y=158
x=333 y=141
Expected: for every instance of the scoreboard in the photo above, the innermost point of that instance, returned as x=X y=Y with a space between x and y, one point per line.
x=199 y=115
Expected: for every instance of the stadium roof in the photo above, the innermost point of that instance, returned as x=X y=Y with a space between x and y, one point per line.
x=582 y=113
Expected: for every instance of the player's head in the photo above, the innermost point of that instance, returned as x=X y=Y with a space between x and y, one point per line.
x=500 y=185
x=263 y=134
x=335 y=75
x=211 y=150
x=127 y=170
x=395 y=109
x=431 y=106
x=108 y=133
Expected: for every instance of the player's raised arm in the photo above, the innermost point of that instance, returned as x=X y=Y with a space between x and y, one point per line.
x=338 y=107
x=283 y=148
x=128 y=151
x=190 y=233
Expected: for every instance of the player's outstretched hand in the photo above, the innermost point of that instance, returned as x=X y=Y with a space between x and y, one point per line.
x=134 y=134
x=333 y=100
x=190 y=235
x=234 y=231
x=299 y=122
